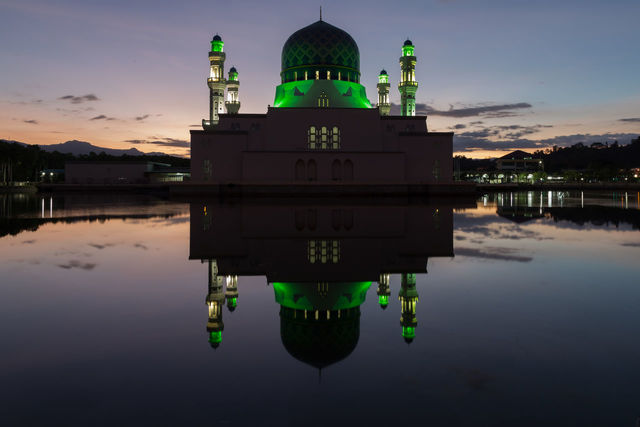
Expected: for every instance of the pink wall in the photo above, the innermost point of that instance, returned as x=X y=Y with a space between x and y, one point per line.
x=266 y=148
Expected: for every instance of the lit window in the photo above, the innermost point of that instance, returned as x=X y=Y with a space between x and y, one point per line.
x=323 y=100
x=323 y=251
x=317 y=75
x=312 y=137
x=328 y=75
x=335 y=138
x=323 y=137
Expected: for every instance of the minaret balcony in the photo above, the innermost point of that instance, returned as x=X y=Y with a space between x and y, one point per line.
x=408 y=83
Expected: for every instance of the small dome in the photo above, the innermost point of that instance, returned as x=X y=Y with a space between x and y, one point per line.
x=233 y=70
x=408 y=42
x=216 y=38
x=383 y=72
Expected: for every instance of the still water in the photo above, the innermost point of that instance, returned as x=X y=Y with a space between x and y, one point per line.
x=512 y=309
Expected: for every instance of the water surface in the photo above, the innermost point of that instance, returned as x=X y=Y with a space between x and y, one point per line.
x=515 y=309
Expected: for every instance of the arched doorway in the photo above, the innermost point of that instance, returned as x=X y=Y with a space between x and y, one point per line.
x=312 y=170
x=299 y=170
x=336 y=170
x=348 y=170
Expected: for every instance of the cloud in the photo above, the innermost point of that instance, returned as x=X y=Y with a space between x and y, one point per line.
x=501 y=110
x=478 y=110
x=631 y=245
x=472 y=141
x=141 y=118
x=140 y=246
x=500 y=254
x=101 y=117
x=79 y=99
x=101 y=246
x=458 y=126
x=28 y=242
x=31 y=122
x=165 y=142
x=631 y=120
x=77 y=264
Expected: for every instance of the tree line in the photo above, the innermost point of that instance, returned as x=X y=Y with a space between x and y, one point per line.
x=26 y=162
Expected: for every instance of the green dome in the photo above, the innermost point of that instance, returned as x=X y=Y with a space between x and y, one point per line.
x=321 y=44
x=319 y=343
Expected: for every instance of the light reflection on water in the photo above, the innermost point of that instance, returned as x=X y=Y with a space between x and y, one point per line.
x=125 y=310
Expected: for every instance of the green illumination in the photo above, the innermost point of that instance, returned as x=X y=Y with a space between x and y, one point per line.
x=215 y=337
x=407 y=50
x=409 y=332
x=383 y=299
x=232 y=302
x=233 y=76
x=305 y=93
x=217 y=45
x=305 y=295
x=383 y=78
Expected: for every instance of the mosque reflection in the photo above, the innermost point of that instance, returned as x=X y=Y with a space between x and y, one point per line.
x=321 y=261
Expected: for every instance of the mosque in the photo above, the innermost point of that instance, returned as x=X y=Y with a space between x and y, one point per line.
x=321 y=128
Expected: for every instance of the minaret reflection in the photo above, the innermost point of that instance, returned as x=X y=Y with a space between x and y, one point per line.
x=231 y=294
x=383 y=291
x=408 y=299
x=215 y=301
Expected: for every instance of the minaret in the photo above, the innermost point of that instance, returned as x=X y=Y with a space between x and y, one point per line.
x=232 y=104
x=231 y=294
x=408 y=84
x=383 y=291
x=383 y=93
x=408 y=299
x=215 y=301
x=216 y=81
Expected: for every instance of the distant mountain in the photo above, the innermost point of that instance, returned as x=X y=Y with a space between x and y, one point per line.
x=81 y=147
x=77 y=148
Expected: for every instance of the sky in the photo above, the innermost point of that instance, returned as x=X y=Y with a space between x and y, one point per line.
x=502 y=74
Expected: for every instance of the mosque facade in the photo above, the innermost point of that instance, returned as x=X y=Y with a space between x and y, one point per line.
x=321 y=128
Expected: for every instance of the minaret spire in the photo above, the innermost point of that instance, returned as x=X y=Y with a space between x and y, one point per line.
x=321 y=13
x=216 y=82
x=408 y=84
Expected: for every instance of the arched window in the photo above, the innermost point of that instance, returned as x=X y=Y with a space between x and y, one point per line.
x=299 y=219
x=312 y=172
x=347 y=219
x=336 y=170
x=312 y=219
x=348 y=170
x=336 y=219
x=299 y=171
x=206 y=170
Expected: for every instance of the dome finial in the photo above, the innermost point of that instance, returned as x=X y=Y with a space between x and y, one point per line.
x=321 y=13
